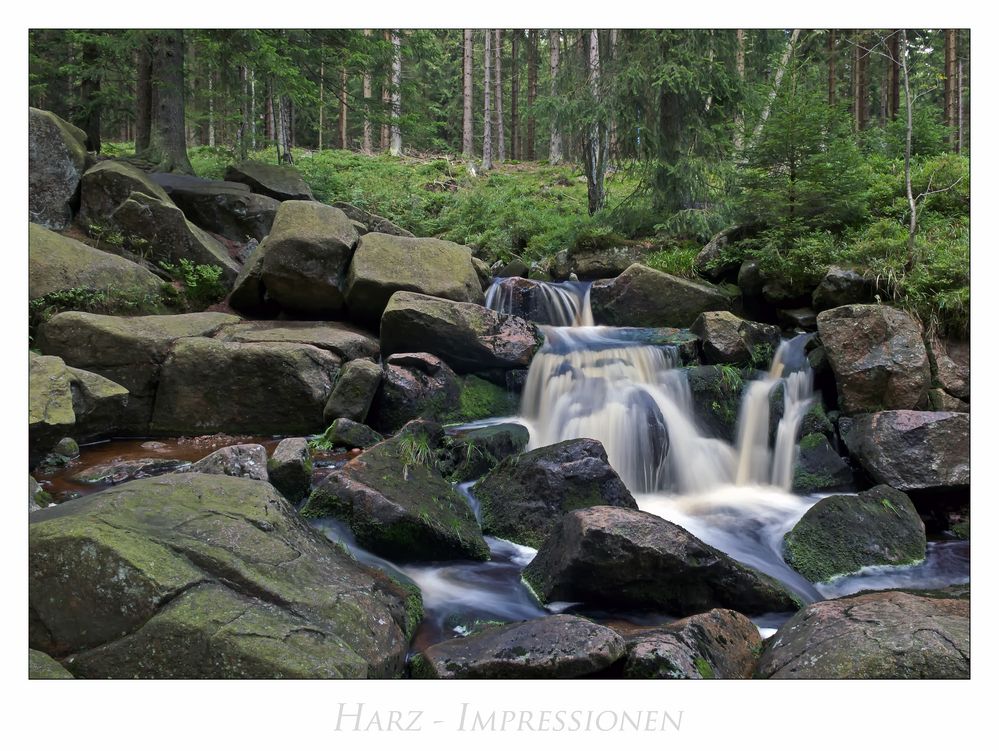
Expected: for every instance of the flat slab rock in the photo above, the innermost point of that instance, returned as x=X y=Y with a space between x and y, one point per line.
x=559 y=646
x=341 y=339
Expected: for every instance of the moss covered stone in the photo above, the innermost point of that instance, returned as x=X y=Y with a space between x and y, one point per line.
x=843 y=533
x=468 y=453
x=42 y=667
x=108 y=184
x=57 y=157
x=819 y=467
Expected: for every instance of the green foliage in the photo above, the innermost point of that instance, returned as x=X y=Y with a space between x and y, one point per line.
x=203 y=284
x=111 y=300
x=677 y=260
x=416 y=450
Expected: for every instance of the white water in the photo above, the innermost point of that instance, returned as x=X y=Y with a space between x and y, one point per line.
x=558 y=304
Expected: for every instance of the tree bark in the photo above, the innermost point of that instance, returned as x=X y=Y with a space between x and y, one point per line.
x=950 y=85
x=911 y=243
x=498 y=85
x=893 y=70
x=467 y=123
x=532 y=90
x=366 y=93
x=555 y=138
x=143 y=93
x=322 y=102
x=343 y=108
x=269 y=130
x=167 y=143
x=740 y=70
x=90 y=91
x=515 y=150
x=960 y=105
x=831 y=64
x=860 y=88
x=596 y=161
x=395 y=147
x=487 y=119
x=778 y=77
x=211 y=107
x=253 y=110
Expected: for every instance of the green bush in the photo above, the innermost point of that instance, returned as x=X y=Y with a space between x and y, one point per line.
x=202 y=283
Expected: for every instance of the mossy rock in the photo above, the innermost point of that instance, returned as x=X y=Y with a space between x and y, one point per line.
x=471 y=452
x=41 y=667
x=819 y=467
x=717 y=397
x=108 y=184
x=57 y=157
x=843 y=533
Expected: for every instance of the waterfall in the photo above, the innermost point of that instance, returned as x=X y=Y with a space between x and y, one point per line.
x=555 y=304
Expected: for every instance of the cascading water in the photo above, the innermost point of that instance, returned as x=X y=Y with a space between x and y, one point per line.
x=556 y=304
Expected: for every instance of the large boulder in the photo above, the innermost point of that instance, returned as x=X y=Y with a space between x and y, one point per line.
x=911 y=450
x=371 y=222
x=559 y=646
x=711 y=262
x=843 y=533
x=728 y=339
x=211 y=386
x=525 y=497
x=249 y=295
x=354 y=391
x=57 y=157
x=874 y=635
x=242 y=460
x=468 y=337
x=128 y=351
x=108 y=184
x=717 y=644
x=950 y=362
x=878 y=357
x=169 y=237
x=344 y=433
x=819 y=468
x=306 y=256
x=342 y=340
x=281 y=182
x=386 y=264
x=59 y=264
x=225 y=208
x=471 y=452
x=647 y=298
x=716 y=393
x=622 y=558
x=290 y=468
x=842 y=286
x=42 y=667
x=197 y=576
x=603 y=263
x=396 y=503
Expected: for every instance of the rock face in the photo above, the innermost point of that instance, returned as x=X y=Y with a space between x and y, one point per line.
x=354 y=391
x=717 y=644
x=128 y=351
x=876 y=635
x=468 y=337
x=951 y=365
x=196 y=576
x=727 y=339
x=225 y=208
x=290 y=468
x=397 y=504
x=277 y=181
x=386 y=264
x=559 y=646
x=842 y=286
x=618 y=557
x=414 y=385
x=471 y=452
x=819 y=468
x=57 y=157
x=911 y=450
x=878 y=357
x=108 y=184
x=243 y=460
x=843 y=533
x=525 y=497
x=645 y=297
x=170 y=236
x=42 y=667
x=306 y=256
x=249 y=296
x=209 y=386
x=59 y=264
x=341 y=340
x=717 y=396
x=371 y=222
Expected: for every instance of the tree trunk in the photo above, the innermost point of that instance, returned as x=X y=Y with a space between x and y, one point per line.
x=167 y=143
x=253 y=110
x=243 y=132
x=950 y=85
x=532 y=90
x=90 y=91
x=143 y=94
x=322 y=102
x=487 y=119
x=831 y=64
x=893 y=69
x=860 y=89
x=269 y=130
x=740 y=69
x=366 y=93
x=596 y=162
x=960 y=105
x=555 y=141
x=612 y=123
x=778 y=77
x=386 y=100
x=395 y=147
x=343 y=108
x=467 y=123
x=498 y=104
x=284 y=125
x=211 y=107
x=911 y=244
x=515 y=151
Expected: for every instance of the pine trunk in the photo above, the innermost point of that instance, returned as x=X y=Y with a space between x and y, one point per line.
x=343 y=108
x=515 y=150
x=596 y=162
x=498 y=86
x=831 y=63
x=395 y=147
x=366 y=93
x=893 y=68
x=467 y=126
x=167 y=143
x=487 y=119
x=555 y=139
x=143 y=94
x=950 y=85
x=532 y=90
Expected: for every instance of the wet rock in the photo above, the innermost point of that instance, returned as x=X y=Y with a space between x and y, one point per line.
x=819 y=468
x=306 y=256
x=344 y=341
x=559 y=646
x=397 y=505
x=242 y=460
x=371 y=222
x=878 y=357
x=44 y=668
x=345 y=433
x=483 y=272
x=413 y=385
x=37 y=497
x=67 y=448
x=385 y=264
x=603 y=263
x=941 y=401
x=515 y=268
x=782 y=292
x=710 y=262
x=717 y=644
x=716 y=392
x=468 y=337
x=645 y=297
x=169 y=237
x=471 y=452
x=57 y=157
x=911 y=450
x=108 y=184
x=354 y=391
x=196 y=576
x=726 y=338
x=226 y=208
x=256 y=388
x=950 y=362
x=623 y=558
x=798 y=318
x=874 y=635
x=524 y=498
x=120 y=471
x=842 y=286
x=281 y=182
x=750 y=279
x=843 y=533
x=60 y=264
x=290 y=468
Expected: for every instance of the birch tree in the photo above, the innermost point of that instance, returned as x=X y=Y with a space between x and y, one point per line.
x=395 y=147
